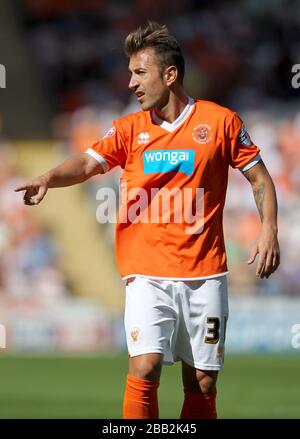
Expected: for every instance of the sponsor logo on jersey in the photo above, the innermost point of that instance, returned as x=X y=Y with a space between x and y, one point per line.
x=143 y=137
x=110 y=133
x=160 y=161
x=202 y=133
x=244 y=137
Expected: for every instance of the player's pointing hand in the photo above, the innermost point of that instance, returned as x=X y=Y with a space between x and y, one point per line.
x=35 y=190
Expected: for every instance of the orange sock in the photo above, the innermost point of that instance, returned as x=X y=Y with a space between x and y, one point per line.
x=140 y=399
x=199 y=406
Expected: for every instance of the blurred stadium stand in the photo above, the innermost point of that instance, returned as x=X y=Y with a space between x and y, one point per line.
x=66 y=81
x=23 y=104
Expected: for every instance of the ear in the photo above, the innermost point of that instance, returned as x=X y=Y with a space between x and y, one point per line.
x=170 y=75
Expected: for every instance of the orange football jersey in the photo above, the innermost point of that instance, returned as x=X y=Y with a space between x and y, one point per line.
x=173 y=188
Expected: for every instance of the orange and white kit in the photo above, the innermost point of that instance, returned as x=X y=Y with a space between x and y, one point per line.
x=190 y=156
x=181 y=320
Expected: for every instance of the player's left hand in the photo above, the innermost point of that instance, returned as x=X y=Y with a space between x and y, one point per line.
x=267 y=248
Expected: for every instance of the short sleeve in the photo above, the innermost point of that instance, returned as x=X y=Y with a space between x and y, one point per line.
x=111 y=150
x=240 y=148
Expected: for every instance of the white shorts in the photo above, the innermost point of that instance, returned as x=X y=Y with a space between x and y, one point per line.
x=182 y=320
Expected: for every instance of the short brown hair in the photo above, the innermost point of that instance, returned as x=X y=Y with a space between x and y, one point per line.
x=158 y=37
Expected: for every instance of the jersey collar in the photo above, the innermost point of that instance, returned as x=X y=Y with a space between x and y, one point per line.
x=177 y=122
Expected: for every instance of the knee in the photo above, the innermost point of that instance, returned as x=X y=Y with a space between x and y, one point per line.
x=207 y=381
x=146 y=367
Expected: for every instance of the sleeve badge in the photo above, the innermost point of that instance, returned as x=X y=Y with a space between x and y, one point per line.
x=244 y=137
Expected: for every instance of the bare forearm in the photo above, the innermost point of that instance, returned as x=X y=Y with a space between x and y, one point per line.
x=75 y=170
x=266 y=202
x=267 y=246
x=264 y=194
x=72 y=171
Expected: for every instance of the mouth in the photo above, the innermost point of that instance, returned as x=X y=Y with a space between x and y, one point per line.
x=140 y=96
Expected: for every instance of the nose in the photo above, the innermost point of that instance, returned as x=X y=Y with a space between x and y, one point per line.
x=133 y=83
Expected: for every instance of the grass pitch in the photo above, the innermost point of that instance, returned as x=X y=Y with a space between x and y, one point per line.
x=92 y=387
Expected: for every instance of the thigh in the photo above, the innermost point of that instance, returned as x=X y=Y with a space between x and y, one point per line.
x=149 y=316
x=201 y=331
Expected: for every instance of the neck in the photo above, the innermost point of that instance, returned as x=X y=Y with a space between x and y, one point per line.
x=174 y=106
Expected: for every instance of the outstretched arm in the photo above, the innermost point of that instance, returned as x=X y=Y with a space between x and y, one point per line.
x=267 y=246
x=74 y=170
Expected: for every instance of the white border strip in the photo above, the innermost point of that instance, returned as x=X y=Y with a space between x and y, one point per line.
x=252 y=163
x=176 y=278
x=180 y=119
x=99 y=158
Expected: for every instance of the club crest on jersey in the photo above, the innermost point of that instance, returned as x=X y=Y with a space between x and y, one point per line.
x=202 y=133
x=143 y=137
x=244 y=137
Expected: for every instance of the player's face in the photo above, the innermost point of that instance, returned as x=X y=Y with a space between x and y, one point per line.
x=147 y=81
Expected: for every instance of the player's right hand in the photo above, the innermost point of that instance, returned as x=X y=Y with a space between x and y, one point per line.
x=35 y=190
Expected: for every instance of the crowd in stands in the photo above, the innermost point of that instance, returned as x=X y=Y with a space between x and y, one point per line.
x=238 y=53
x=29 y=266
x=278 y=136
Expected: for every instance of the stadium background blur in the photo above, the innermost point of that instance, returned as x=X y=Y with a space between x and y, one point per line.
x=61 y=299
